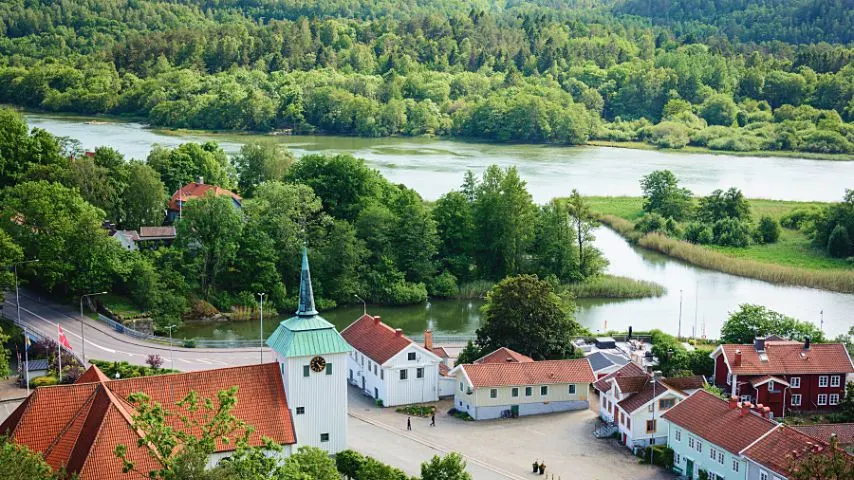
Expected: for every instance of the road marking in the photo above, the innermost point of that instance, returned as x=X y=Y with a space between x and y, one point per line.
x=69 y=332
x=185 y=360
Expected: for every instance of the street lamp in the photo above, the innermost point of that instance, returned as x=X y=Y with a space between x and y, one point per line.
x=83 y=324
x=262 y=325
x=364 y=305
x=171 y=347
x=17 y=296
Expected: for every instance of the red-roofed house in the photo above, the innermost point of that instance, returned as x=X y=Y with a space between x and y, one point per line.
x=512 y=388
x=784 y=375
x=503 y=355
x=193 y=190
x=388 y=365
x=79 y=426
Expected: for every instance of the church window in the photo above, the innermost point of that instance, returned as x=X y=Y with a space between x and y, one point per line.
x=329 y=368
x=305 y=370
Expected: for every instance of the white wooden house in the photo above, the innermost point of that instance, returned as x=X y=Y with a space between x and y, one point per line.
x=388 y=366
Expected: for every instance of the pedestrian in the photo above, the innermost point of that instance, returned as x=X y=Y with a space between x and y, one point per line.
x=433 y=419
x=542 y=468
x=536 y=465
x=408 y=423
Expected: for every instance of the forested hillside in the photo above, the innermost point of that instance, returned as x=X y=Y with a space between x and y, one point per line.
x=515 y=71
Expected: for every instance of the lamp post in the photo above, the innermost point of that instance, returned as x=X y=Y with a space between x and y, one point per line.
x=171 y=347
x=17 y=296
x=262 y=326
x=364 y=305
x=83 y=324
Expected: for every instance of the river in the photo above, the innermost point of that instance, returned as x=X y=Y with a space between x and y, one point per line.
x=433 y=167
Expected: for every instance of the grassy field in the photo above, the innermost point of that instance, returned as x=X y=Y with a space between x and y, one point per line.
x=690 y=149
x=792 y=260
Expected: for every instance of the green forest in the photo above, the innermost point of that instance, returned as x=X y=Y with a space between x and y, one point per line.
x=732 y=75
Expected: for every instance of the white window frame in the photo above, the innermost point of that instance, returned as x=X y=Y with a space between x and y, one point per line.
x=678 y=435
x=493 y=393
x=771 y=385
x=822 y=399
x=745 y=398
x=410 y=356
x=571 y=389
x=822 y=381
x=404 y=374
x=729 y=378
x=833 y=399
x=735 y=466
x=798 y=402
x=690 y=442
x=721 y=458
x=713 y=453
x=795 y=382
x=419 y=372
x=834 y=381
x=699 y=446
x=544 y=390
x=763 y=475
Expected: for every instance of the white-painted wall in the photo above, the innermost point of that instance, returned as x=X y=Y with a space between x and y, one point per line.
x=324 y=398
x=383 y=381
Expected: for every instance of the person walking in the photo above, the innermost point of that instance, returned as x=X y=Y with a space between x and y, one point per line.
x=433 y=419
x=408 y=423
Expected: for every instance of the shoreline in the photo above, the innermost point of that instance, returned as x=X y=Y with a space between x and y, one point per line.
x=113 y=118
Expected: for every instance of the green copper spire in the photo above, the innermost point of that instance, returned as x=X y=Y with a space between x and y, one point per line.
x=306 y=296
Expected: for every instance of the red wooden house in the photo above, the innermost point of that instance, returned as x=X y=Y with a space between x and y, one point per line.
x=784 y=375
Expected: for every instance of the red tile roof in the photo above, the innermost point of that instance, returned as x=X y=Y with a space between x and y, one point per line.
x=375 y=339
x=441 y=352
x=149 y=233
x=529 y=373
x=444 y=370
x=195 y=190
x=773 y=450
x=630 y=369
x=693 y=382
x=789 y=358
x=79 y=425
x=644 y=395
x=502 y=355
x=631 y=384
x=843 y=431
x=710 y=418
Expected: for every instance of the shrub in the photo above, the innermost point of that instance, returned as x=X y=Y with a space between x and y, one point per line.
x=839 y=242
x=154 y=361
x=731 y=232
x=796 y=219
x=651 y=222
x=417 y=410
x=444 y=286
x=704 y=136
x=736 y=143
x=719 y=110
x=825 y=141
x=348 y=463
x=460 y=414
x=189 y=343
x=768 y=230
x=700 y=233
x=668 y=135
x=44 y=381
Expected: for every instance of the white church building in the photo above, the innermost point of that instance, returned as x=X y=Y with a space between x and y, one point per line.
x=312 y=358
x=388 y=366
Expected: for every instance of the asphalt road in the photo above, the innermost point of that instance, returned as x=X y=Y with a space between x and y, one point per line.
x=104 y=343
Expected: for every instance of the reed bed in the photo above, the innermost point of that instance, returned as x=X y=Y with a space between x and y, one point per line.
x=613 y=286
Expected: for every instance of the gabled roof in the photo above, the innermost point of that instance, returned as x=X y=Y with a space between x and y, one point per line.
x=683 y=384
x=543 y=372
x=843 y=431
x=647 y=392
x=630 y=369
x=631 y=384
x=444 y=370
x=375 y=339
x=131 y=235
x=156 y=233
x=767 y=378
x=503 y=355
x=602 y=360
x=195 y=189
x=773 y=450
x=787 y=358
x=79 y=426
x=709 y=417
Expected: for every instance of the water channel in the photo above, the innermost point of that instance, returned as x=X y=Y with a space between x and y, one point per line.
x=433 y=167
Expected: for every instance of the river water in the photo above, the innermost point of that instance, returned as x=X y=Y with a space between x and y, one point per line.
x=433 y=167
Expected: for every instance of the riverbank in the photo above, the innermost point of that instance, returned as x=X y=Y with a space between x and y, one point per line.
x=792 y=260
x=843 y=157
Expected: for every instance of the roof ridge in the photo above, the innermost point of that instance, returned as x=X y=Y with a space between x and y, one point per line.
x=85 y=404
x=191 y=373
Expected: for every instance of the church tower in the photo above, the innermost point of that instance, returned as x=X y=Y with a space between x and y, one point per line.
x=312 y=358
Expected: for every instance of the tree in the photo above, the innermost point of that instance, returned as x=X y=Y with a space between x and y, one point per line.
x=413 y=236
x=209 y=236
x=524 y=314
x=827 y=461
x=375 y=470
x=590 y=261
x=554 y=248
x=469 y=353
x=846 y=406
x=154 y=361
x=10 y=253
x=449 y=467
x=349 y=462
x=342 y=182
x=719 y=110
x=144 y=200
x=260 y=162
x=17 y=461
x=188 y=162
x=662 y=195
x=720 y=205
x=839 y=243
x=455 y=229
x=751 y=321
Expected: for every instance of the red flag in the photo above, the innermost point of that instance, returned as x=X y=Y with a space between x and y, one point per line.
x=63 y=339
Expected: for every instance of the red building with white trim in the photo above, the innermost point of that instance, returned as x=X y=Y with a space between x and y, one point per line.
x=784 y=375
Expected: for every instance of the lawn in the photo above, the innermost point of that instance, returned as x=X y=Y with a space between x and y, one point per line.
x=119 y=305
x=794 y=248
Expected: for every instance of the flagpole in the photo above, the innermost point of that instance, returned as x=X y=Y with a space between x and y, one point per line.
x=59 y=354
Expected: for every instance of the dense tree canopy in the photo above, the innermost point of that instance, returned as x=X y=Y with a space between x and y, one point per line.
x=751 y=321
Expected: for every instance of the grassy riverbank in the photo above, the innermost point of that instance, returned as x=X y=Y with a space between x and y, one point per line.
x=612 y=286
x=793 y=260
x=754 y=153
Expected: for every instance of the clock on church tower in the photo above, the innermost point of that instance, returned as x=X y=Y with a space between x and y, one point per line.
x=312 y=357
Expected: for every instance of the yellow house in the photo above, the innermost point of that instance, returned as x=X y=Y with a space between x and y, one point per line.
x=514 y=385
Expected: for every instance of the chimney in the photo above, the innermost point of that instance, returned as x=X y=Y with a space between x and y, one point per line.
x=807 y=343
x=745 y=407
x=733 y=402
x=200 y=180
x=630 y=333
x=737 y=361
x=428 y=339
x=377 y=320
x=759 y=344
x=398 y=332
x=759 y=408
x=766 y=412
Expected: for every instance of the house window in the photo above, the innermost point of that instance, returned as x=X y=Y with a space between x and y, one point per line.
x=795 y=381
x=834 y=381
x=329 y=369
x=721 y=458
x=461 y=386
x=771 y=385
x=324 y=437
x=822 y=399
x=678 y=435
x=493 y=393
x=300 y=410
x=745 y=398
x=699 y=446
x=628 y=422
x=834 y=399
x=544 y=390
x=713 y=452
x=735 y=465
x=375 y=369
x=410 y=356
x=650 y=426
x=822 y=381
x=419 y=373
x=305 y=370
x=382 y=374
x=690 y=442
x=729 y=378
x=514 y=392
x=282 y=368
x=351 y=374
x=763 y=475
x=796 y=399
x=572 y=389
x=651 y=407
x=666 y=403
x=677 y=459
x=529 y=391
x=403 y=374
